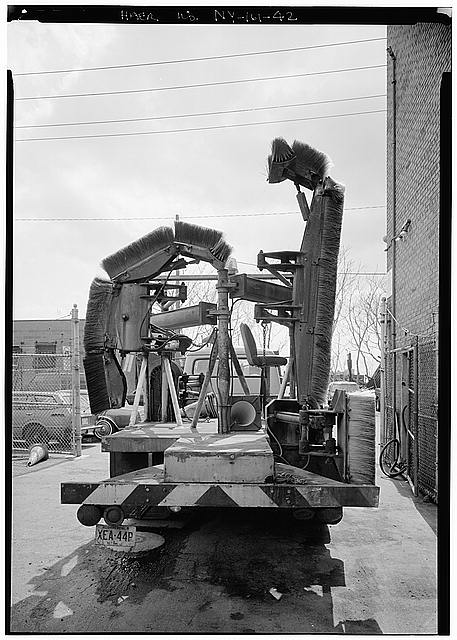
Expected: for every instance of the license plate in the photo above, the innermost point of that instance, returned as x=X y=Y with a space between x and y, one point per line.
x=115 y=536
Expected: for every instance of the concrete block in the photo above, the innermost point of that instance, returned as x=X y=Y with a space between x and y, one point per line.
x=234 y=457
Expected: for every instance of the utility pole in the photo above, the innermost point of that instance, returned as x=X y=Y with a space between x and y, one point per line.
x=350 y=367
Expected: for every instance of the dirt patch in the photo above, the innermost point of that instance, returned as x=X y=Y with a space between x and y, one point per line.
x=122 y=574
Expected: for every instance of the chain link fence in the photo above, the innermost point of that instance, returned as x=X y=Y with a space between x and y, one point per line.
x=49 y=400
x=428 y=418
x=411 y=409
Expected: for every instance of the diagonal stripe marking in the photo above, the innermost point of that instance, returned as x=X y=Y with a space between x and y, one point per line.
x=184 y=496
x=249 y=496
x=106 y=494
x=316 y=497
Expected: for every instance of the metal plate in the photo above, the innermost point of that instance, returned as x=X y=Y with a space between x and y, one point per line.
x=115 y=537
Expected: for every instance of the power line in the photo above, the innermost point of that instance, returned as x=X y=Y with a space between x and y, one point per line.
x=193 y=115
x=199 y=85
x=222 y=126
x=171 y=216
x=220 y=57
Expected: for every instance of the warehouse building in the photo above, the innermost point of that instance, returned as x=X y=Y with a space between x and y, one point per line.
x=418 y=131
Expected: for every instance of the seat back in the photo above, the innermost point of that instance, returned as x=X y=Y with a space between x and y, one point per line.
x=250 y=346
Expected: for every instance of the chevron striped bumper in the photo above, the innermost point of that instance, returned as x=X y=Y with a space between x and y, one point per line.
x=146 y=488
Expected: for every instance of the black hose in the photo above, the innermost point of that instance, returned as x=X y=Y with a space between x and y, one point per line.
x=394 y=469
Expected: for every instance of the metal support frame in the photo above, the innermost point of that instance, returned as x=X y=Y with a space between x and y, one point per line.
x=206 y=381
x=171 y=387
x=223 y=373
x=139 y=389
x=239 y=370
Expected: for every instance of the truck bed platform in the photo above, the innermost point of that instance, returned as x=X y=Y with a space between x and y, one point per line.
x=146 y=487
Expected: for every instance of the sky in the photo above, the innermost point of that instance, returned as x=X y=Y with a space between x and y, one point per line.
x=212 y=177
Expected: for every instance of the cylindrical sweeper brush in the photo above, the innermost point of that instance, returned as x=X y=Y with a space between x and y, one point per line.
x=202 y=243
x=143 y=258
x=106 y=384
x=300 y=163
x=361 y=438
x=309 y=167
x=315 y=284
x=332 y=201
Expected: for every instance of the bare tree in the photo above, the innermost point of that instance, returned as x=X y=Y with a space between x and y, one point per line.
x=346 y=279
x=362 y=321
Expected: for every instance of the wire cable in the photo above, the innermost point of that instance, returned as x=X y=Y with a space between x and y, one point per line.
x=223 y=126
x=408 y=332
x=201 y=84
x=201 y=59
x=196 y=115
x=226 y=215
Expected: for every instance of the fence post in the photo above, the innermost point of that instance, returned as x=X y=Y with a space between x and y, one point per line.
x=416 y=420
x=76 y=382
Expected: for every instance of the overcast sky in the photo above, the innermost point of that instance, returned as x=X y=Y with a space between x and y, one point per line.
x=219 y=172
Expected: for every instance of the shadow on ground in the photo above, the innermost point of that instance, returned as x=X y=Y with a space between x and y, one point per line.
x=231 y=556
x=426 y=508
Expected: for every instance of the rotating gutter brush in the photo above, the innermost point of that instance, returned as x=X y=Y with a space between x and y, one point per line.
x=142 y=259
x=202 y=243
x=137 y=262
x=313 y=294
x=300 y=163
x=106 y=384
x=315 y=284
x=117 y=310
x=361 y=427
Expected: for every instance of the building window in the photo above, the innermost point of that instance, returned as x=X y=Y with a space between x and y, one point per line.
x=42 y=360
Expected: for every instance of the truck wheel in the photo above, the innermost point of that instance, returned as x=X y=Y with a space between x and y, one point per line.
x=103 y=428
x=89 y=514
x=35 y=434
x=329 y=515
x=113 y=515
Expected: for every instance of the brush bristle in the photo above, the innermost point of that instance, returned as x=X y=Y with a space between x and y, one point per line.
x=127 y=257
x=221 y=250
x=361 y=425
x=96 y=383
x=97 y=313
x=280 y=158
x=310 y=161
x=326 y=289
x=187 y=233
x=105 y=380
x=281 y=151
x=210 y=239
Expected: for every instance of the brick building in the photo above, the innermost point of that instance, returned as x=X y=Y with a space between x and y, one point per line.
x=44 y=336
x=42 y=354
x=418 y=129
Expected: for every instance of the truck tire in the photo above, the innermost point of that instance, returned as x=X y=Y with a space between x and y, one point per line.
x=35 y=433
x=104 y=427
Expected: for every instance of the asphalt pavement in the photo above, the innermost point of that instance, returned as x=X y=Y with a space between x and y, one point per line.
x=373 y=573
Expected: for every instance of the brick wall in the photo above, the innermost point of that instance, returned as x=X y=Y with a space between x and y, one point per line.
x=423 y=54
x=27 y=332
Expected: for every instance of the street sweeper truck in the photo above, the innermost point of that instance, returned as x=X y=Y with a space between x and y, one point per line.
x=295 y=452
